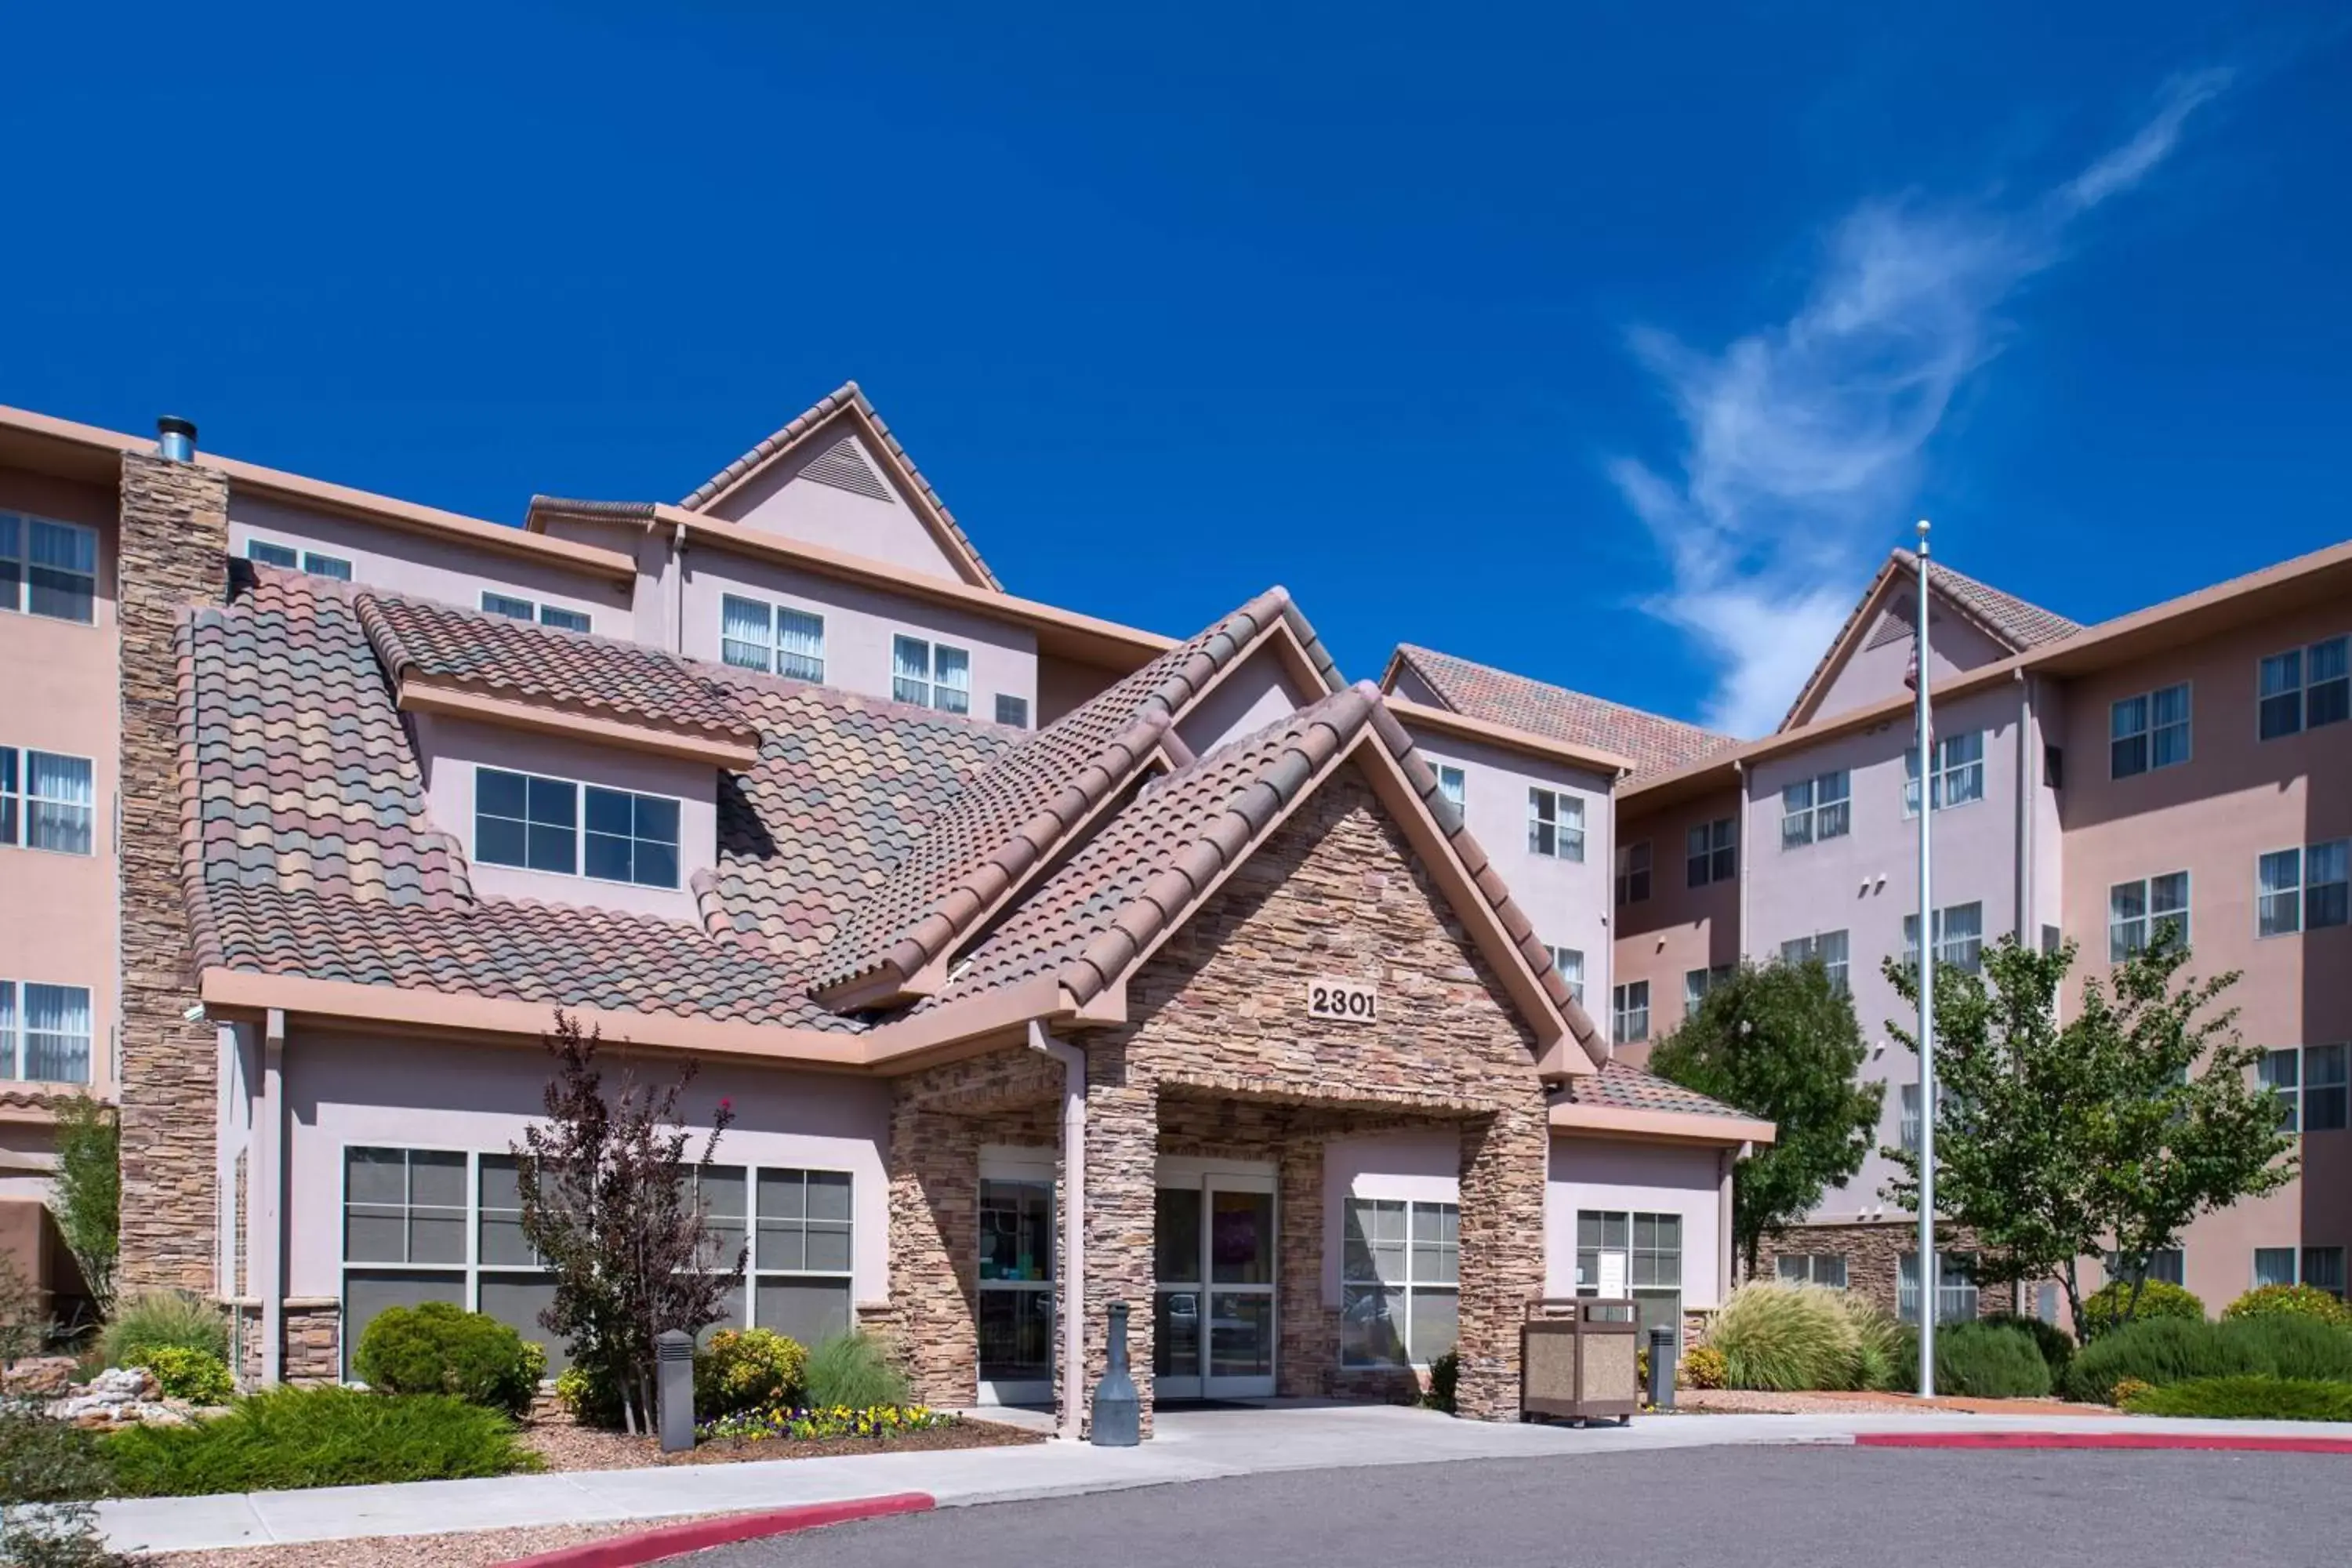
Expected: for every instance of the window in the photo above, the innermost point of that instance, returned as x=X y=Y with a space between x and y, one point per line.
x=1959 y=773
x=1012 y=710
x=931 y=675
x=2144 y=733
x=47 y=802
x=1453 y=784
x=1814 y=809
x=2281 y=1071
x=1639 y=1254
x=2306 y=688
x=2138 y=911
x=523 y=819
x=516 y=609
x=1634 y=872
x=1824 y=1269
x=1629 y=1013
x=2166 y=1266
x=1829 y=946
x=1555 y=824
x=1712 y=850
x=1910 y=1116
x=1959 y=937
x=1399 y=1288
x=801 y=1252
x=1697 y=982
x=2326 y=1092
x=1956 y=1287
x=1570 y=964
x=779 y=639
x=2302 y=890
x=2054 y=766
x=45 y=1032
x=2275 y=1266
x=312 y=561
x=48 y=568
x=2323 y=1270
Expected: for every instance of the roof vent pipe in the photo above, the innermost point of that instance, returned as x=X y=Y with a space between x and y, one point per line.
x=175 y=439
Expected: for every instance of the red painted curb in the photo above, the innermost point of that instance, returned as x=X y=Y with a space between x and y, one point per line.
x=2251 y=1443
x=673 y=1540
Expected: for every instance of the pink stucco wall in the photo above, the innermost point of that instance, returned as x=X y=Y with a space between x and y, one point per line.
x=1678 y=928
x=1615 y=1175
x=786 y=501
x=1257 y=693
x=1874 y=674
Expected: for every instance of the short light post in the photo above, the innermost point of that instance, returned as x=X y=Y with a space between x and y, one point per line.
x=1662 y=1366
x=674 y=1388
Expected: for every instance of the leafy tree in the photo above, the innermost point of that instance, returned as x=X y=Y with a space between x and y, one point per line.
x=1779 y=1042
x=608 y=1198
x=2111 y=1130
x=85 y=1193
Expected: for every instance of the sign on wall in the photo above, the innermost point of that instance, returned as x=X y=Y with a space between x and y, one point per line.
x=1350 y=1000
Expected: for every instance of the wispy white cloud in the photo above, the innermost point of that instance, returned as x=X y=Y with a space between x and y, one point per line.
x=1802 y=440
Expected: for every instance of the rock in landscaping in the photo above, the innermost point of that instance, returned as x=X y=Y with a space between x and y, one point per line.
x=38 y=1377
x=119 y=1397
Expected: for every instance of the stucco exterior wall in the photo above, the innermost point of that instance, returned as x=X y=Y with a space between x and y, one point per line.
x=784 y=499
x=1616 y=1176
x=1678 y=928
x=1255 y=694
x=451 y=750
x=1874 y=674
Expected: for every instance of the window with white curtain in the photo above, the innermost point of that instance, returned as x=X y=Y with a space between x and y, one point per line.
x=931 y=675
x=2302 y=890
x=1697 y=982
x=1629 y=1013
x=1555 y=824
x=2137 y=911
x=1958 y=772
x=45 y=1032
x=1570 y=964
x=1959 y=937
x=2282 y=1072
x=1400 y=1282
x=753 y=634
x=520 y=609
x=47 y=802
x=1453 y=784
x=1824 y=1269
x=1956 y=1287
x=1816 y=808
x=2148 y=732
x=318 y=563
x=1830 y=946
x=2306 y=688
x=2166 y=1266
x=48 y=568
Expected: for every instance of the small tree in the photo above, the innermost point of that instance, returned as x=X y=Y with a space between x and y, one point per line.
x=1780 y=1043
x=609 y=1199
x=2117 y=1127
x=87 y=1192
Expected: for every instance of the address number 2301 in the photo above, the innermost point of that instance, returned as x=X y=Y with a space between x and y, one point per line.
x=1340 y=999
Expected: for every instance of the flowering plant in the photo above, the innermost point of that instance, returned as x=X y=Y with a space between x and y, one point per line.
x=878 y=1421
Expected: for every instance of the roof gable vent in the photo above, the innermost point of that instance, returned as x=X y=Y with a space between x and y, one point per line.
x=844 y=466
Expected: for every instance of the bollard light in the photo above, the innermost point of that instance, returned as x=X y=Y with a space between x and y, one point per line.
x=674 y=1388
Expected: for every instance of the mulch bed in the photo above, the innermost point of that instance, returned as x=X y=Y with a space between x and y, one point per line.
x=567 y=1447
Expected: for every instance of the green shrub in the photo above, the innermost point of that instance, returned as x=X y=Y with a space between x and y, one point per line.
x=287 y=1438
x=854 y=1370
x=1705 y=1368
x=2057 y=1346
x=438 y=1348
x=2255 y=1398
x=2290 y=1300
x=1990 y=1361
x=2102 y=1309
x=2285 y=1345
x=748 y=1369
x=1780 y=1337
x=1887 y=1351
x=1445 y=1377
x=589 y=1400
x=61 y=1468
x=2159 y=1352
x=197 y=1377
x=145 y=1323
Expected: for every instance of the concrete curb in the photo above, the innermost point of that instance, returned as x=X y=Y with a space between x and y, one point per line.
x=2223 y=1441
x=676 y=1539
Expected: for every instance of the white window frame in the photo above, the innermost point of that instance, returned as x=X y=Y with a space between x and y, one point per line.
x=2131 y=933
x=1947 y=944
x=16 y=792
x=580 y=833
x=1453 y=785
x=1818 y=808
x=16 y=1031
x=1810 y=1269
x=1804 y=949
x=310 y=563
x=1633 y=869
x=2300 y=685
x=1623 y=1010
x=929 y=690
x=773 y=658
x=1633 y=1252
x=1704 y=847
x=2314 y=1084
x=1412 y=1285
x=1570 y=964
x=1958 y=775
x=1697 y=982
x=2149 y=730
x=2306 y=1256
x=2340 y=852
x=2166 y=1266
x=1019 y=708
x=538 y=612
x=18 y=599
x=1954 y=1287
x=1560 y=813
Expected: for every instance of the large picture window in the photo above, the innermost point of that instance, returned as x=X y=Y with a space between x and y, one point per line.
x=538 y=824
x=45 y=1032
x=1401 y=1283
x=48 y=569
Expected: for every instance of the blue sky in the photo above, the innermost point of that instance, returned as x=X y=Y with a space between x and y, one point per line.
x=1610 y=344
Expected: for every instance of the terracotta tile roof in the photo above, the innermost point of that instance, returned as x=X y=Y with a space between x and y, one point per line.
x=1656 y=743
x=1012 y=815
x=809 y=419
x=2018 y=624
x=600 y=676
x=1627 y=1087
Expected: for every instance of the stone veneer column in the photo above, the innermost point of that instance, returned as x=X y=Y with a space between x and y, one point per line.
x=935 y=1250
x=1503 y=1168
x=174 y=553
x=1122 y=1196
x=1309 y=1349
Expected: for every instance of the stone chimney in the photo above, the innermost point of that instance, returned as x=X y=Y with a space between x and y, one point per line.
x=174 y=553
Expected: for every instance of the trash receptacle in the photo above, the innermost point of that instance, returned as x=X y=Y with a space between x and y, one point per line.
x=1577 y=1359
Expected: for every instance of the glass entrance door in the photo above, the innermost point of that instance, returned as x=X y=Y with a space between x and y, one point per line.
x=1212 y=1306
x=1016 y=1287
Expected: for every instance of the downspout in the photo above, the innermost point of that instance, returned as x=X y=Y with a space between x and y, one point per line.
x=1739 y=937
x=677 y=601
x=1726 y=1247
x=1070 y=1274
x=269 y=1254
x=2025 y=788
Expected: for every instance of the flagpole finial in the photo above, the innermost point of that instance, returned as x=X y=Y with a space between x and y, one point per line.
x=1923 y=536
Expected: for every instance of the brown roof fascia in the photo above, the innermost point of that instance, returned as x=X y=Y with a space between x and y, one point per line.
x=736 y=750
x=1661 y=1126
x=1447 y=721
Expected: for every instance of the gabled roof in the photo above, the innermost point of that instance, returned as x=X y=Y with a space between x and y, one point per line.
x=849 y=402
x=2009 y=620
x=1652 y=740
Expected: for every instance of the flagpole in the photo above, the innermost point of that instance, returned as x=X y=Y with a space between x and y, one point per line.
x=1929 y=1275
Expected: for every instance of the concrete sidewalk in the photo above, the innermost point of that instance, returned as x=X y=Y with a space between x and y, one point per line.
x=1192 y=1446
